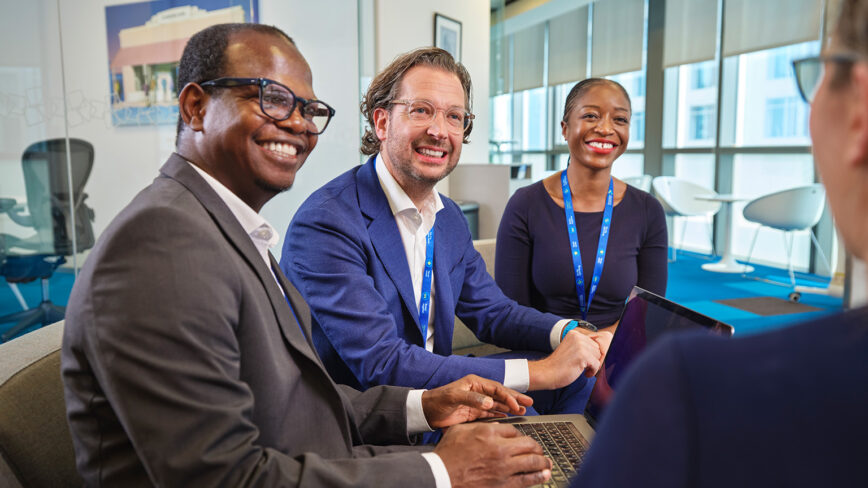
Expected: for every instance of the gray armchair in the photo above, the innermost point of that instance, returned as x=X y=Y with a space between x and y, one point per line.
x=35 y=444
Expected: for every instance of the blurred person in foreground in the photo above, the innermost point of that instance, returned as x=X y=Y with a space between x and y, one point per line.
x=786 y=408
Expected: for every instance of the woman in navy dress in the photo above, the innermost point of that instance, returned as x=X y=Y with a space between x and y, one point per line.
x=535 y=263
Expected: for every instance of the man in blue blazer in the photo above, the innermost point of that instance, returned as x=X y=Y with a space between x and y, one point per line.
x=385 y=262
x=786 y=408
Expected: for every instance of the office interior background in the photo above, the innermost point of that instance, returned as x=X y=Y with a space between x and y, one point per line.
x=711 y=82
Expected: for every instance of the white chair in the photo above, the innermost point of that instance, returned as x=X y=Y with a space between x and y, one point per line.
x=642 y=182
x=789 y=211
x=678 y=198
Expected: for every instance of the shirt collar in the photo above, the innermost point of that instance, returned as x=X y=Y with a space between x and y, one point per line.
x=398 y=199
x=253 y=224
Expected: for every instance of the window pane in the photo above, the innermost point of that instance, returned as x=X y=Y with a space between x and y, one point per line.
x=757 y=175
x=500 y=135
x=690 y=98
x=529 y=119
x=693 y=233
x=634 y=83
x=766 y=109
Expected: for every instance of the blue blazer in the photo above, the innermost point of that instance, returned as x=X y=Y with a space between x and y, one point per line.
x=344 y=253
x=786 y=408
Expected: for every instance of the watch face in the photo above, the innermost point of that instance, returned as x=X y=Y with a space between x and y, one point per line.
x=587 y=325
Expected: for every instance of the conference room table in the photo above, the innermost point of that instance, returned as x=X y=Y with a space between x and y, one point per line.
x=727 y=262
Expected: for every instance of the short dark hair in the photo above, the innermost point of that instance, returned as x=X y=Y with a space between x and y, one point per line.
x=204 y=55
x=582 y=87
x=384 y=88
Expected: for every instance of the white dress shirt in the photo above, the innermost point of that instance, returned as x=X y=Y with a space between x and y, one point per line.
x=413 y=225
x=264 y=236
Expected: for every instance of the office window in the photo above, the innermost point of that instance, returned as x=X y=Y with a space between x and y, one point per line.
x=703 y=75
x=634 y=83
x=761 y=110
x=500 y=135
x=689 y=113
x=701 y=122
x=786 y=117
x=529 y=120
x=779 y=66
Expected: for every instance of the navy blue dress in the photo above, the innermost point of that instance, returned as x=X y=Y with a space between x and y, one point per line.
x=533 y=265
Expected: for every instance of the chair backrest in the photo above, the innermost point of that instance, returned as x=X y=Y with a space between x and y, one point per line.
x=47 y=180
x=793 y=209
x=678 y=197
x=35 y=443
x=642 y=182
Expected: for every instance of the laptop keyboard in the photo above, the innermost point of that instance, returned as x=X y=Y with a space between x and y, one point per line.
x=562 y=444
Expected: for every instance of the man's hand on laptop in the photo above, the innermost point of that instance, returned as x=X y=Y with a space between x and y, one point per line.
x=578 y=353
x=491 y=454
x=471 y=398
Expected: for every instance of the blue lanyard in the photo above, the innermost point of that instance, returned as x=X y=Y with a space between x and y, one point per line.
x=574 y=243
x=425 y=299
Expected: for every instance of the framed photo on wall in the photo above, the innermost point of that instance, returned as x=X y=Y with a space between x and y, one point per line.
x=447 y=35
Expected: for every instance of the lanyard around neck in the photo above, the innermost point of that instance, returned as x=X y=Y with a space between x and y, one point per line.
x=600 y=257
x=425 y=299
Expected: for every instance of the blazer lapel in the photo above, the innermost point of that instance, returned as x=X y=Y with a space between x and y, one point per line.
x=444 y=313
x=179 y=169
x=385 y=237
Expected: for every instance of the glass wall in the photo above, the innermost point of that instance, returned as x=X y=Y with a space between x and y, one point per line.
x=88 y=116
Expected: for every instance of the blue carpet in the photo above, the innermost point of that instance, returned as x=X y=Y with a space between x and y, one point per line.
x=689 y=285
x=693 y=287
x=60 y=285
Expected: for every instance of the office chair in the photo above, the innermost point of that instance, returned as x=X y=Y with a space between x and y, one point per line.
x=35 y=443
x=789 y=211
x=642 y=182
x=56 y=217
x=678 y=198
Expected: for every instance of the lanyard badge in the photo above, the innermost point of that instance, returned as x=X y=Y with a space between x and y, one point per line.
x=425 y=299
x=574 y=243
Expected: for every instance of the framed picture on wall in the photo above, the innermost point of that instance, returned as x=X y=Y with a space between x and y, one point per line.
x=145 y=41
x=447 y=35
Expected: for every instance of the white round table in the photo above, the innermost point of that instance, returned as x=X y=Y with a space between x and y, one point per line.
x=727 y=263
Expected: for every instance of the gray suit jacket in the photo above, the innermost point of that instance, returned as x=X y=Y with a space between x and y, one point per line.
x=183 y=365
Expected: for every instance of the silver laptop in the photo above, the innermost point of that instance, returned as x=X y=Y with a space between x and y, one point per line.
x=646 y=317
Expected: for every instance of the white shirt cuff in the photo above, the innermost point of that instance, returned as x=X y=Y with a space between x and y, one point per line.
x=557 y=330
x=416 y=421
x=441 y=476
x=516 y=374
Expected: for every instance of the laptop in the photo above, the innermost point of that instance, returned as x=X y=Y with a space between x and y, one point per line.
x=646 y=317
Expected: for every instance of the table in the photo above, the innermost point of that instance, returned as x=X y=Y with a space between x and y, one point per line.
x=727 y=263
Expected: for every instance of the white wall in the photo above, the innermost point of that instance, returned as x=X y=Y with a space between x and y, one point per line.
x=403 y=25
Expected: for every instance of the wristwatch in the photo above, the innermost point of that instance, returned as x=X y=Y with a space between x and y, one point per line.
x=572 y=324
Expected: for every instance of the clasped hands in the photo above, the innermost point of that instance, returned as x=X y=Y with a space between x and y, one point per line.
x=580 y=351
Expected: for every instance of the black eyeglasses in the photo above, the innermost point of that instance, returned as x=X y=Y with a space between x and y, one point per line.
x=809 y=71
x=278 y=101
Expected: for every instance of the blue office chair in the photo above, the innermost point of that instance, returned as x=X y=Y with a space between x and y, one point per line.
x=55 y=215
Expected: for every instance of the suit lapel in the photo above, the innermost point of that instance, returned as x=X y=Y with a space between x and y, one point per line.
x=179 y=169
x=385 y=237
x=444 y=316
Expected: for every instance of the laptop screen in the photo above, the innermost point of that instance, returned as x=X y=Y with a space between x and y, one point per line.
x=645 y=318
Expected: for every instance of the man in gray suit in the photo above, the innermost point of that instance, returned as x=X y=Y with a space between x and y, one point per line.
x=183 y=363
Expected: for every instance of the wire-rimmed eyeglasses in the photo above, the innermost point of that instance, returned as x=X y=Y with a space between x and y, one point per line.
x=423 y=112
x=278 y=102
x=809 y=71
